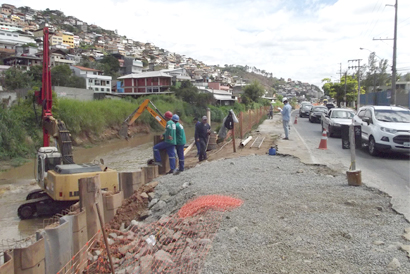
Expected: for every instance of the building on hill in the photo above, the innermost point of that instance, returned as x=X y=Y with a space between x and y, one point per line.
x=146 y=83
x=94 y=79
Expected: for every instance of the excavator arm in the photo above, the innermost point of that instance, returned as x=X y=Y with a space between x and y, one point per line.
x=134 y=116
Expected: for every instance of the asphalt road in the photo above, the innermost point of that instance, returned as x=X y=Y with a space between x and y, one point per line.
x=388 y=172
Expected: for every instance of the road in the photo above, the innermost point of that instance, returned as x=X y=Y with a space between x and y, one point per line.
x=389 y=173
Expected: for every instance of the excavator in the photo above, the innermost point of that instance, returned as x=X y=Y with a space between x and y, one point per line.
x=56 y=173
x=134 y=116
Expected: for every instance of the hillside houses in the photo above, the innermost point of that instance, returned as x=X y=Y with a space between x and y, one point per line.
x=75 y=42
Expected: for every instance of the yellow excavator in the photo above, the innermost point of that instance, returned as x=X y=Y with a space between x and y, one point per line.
x=134 y=116
x=56 y=173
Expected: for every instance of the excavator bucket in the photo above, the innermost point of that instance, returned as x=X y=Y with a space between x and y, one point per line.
x=124 y=130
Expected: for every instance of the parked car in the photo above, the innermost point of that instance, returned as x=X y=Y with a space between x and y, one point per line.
x=336 y=117
x=304 y=110
x=316 y=112
x=385 y=128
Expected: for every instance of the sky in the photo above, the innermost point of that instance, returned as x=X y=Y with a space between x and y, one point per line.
x=305 y=40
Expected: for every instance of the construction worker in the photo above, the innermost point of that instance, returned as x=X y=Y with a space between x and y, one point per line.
x=197 y=144
x=181 y=140
x=168 y=144
x=202 y=131
x=286 y=111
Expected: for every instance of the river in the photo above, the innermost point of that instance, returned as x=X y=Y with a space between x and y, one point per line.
x=15 y=183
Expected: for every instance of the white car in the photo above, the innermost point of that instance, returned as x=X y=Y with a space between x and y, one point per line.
x=385 y=128
x=333 y=120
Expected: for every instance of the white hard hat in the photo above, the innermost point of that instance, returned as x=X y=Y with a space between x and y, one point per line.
x=284 y=99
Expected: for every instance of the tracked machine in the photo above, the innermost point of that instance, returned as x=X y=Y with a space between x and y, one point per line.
x=56 y=173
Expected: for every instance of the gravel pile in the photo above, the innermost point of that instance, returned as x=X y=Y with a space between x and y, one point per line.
x=295 y=218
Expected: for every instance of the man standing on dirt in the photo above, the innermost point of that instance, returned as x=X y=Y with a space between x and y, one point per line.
x=286 y=117
x=168 y=144
x=202 y=131
x=198 y=146
x=181 y=140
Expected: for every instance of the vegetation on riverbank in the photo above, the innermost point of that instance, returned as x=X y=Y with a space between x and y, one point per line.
x=21 y=132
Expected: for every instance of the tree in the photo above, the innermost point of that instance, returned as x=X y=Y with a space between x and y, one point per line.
x=15 y=79
x=337 y=90
x=111 y=65
x=253 y=91
x=60 y=75
x=36 y=74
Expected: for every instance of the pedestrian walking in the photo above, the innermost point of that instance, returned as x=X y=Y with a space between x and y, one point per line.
x=202 y=131
x=168 y=144
x=180 y=140
x=286 y=117
x=271 y=112
x=198 y=146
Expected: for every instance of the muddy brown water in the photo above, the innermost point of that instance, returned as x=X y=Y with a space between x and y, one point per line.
x=15 y=183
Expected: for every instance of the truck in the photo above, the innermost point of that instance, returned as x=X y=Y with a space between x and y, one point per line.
x=56 y=173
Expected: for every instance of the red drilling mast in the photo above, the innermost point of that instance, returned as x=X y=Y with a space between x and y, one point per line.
x=44 y=97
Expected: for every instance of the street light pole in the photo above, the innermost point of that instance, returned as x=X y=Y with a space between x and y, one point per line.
x=394 y=57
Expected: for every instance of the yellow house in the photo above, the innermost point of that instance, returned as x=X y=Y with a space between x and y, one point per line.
x=68 y=39
x=56 y=40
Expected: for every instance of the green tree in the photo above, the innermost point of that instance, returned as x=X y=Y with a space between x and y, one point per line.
x=60 y=75
x=36 y=74
x=15 y=79
x=252 y=92
x=111 y=65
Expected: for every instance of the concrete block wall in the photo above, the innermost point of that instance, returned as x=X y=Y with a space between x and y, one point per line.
x=74 y=93
x=65 y=246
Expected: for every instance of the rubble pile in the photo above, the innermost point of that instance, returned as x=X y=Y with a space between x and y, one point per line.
x=170 y=245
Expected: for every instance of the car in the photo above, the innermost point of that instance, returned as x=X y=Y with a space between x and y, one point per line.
x=333 y=120
x=304 y=109
x=315 y=114
x=385 y=128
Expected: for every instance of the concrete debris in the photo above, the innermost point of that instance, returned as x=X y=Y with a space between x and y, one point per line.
x=393 y=265
x=406 y=235
x=378 y=243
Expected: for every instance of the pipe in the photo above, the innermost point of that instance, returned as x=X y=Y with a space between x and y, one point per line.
x=246 y=141
x=261 y=143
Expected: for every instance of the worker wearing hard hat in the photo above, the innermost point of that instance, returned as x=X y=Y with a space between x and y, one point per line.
x=180 y=140
x=286 y=117
x=168 y=144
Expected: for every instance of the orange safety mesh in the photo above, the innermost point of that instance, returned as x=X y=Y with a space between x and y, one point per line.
x=175 y=244
x=215 y=202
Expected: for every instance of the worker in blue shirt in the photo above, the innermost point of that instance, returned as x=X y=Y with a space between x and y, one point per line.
x=286 y=117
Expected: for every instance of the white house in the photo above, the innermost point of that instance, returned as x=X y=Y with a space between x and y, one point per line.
x=94 y=79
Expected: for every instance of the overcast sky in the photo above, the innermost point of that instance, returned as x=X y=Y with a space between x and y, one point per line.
x=303 y=40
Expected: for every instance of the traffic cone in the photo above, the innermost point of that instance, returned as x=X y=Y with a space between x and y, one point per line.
x=296 y=120
x=323 y=141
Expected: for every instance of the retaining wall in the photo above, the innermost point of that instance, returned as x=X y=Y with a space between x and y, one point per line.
x=64 y=245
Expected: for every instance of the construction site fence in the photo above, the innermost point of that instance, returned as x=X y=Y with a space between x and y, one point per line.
x=63 y=245
x=249 y=119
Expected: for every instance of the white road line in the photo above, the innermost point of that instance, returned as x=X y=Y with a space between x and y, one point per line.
x=312 y=158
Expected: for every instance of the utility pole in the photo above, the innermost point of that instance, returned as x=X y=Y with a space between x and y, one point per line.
x=394 y=70
x=344 y=97
x=358 y=79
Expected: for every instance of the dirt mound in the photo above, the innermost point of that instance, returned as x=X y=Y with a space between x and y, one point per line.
x=133 y=208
